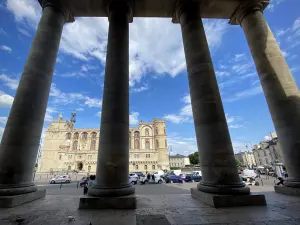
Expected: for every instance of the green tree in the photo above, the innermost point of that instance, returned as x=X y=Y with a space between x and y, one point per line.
x=194 y=158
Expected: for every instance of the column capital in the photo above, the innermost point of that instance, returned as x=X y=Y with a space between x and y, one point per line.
x=119 y=6
x=190 y=6
x=59 y=6
x=245 y=8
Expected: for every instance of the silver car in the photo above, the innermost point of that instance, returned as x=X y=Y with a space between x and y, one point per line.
x=60 y=179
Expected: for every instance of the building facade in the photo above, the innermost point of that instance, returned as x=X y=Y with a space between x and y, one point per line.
x=246 y=158
x=268 y=152
x=67 y=148
x=179 y=161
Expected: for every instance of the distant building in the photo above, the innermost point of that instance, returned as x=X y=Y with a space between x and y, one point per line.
x=76 y=149
x=246 y=158
x=268 y=152
x=179 y=161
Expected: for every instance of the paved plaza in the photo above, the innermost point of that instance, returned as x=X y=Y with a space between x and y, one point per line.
x=165 y=204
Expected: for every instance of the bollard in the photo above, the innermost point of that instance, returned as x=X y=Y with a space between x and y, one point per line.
x=262 y=183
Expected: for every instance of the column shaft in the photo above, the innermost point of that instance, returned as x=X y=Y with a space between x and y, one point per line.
x=113 y=157
x=21 y=138
x=219 y=171
x=279 y=87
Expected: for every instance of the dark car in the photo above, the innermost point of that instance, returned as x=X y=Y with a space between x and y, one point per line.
x=173 y=179
x=192 y=178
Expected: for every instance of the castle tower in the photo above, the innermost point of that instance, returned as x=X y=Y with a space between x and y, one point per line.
x=161 y=144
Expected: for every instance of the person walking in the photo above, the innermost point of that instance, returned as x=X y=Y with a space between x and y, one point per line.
x=267 y=174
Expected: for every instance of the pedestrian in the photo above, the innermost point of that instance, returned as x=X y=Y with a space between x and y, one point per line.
x=148 y=177
x=267 y=174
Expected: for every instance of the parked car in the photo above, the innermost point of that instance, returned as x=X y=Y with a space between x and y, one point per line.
x=173 y=179
x=192 y=178
x=132 y=180
x=157 y=180
x=134 y=176
x=84 y=181
x=139 y=174
x=60 y=179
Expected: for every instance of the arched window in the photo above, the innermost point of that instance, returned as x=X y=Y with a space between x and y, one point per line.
x=59 y=157
x=136 y=134
x=76 y=135
x=157 y=144
x=136 y=167
x=89 y=168
x=94 y=135
x=166 y=143
x=84 y=135
x=93 y=145
x=75 y=144
x=153 y=167
x=147 y=132
x=68 y=136
x=147 y=144
x=145 y=167
x=156 y=130
x=164 y=130
x=136 y=144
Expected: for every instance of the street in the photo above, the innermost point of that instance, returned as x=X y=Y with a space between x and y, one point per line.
x=148 y=189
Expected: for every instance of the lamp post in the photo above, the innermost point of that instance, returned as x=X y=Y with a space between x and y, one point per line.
x=247 y=143
x=169 y=151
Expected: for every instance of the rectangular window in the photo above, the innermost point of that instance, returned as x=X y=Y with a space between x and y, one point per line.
x=70 y=157
x=147 y=155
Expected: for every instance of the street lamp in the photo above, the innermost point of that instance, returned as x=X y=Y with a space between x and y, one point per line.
x=247 y=144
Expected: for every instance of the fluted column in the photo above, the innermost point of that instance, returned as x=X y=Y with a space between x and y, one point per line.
x=219 y=171
x=21 y=137
x=278 y=84
x=113 y=156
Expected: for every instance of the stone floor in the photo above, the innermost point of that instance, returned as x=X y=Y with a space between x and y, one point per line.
x=168 y=209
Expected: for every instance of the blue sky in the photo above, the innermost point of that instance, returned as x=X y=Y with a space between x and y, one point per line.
x=158 y=78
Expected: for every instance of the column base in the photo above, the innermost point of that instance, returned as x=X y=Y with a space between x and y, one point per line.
x=15 y=200
x=287 y=190
x=237 y=189
x=98 y=191
x=222 y=201
x=123 y=202
x=10 y=190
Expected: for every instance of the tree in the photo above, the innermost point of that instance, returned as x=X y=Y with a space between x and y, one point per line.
x=194 y=158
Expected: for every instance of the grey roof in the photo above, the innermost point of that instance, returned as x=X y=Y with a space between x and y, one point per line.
x=177 y=156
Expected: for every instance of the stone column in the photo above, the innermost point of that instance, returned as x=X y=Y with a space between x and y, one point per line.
x=113 y=156
x=21 y=137
x=278 y=84
x=219 y=171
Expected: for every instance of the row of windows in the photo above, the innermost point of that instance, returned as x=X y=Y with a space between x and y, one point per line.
x=70 y=157
x=176 y=164
x=136 y=156
x=147 y=144
x=75 y=145
x=84 y=135
x=137 y=133
x=145 y=167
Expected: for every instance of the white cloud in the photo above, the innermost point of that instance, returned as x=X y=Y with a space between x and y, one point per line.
x=87 y=67
x=273 y=4
x=49 y=114
x=140 y=89
x=98 y=114
x=222 y=73
x=24 y=32
x=3 y=120
x=61 y=98
x=9 y=82
x=244 y=94
x=2 y=31
x=5 y=100
x=5 y=48
x=242 y=68
x=181 y=145
x=80 y=109
x=174 y=118
x=155 y=43
x=134 y=118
